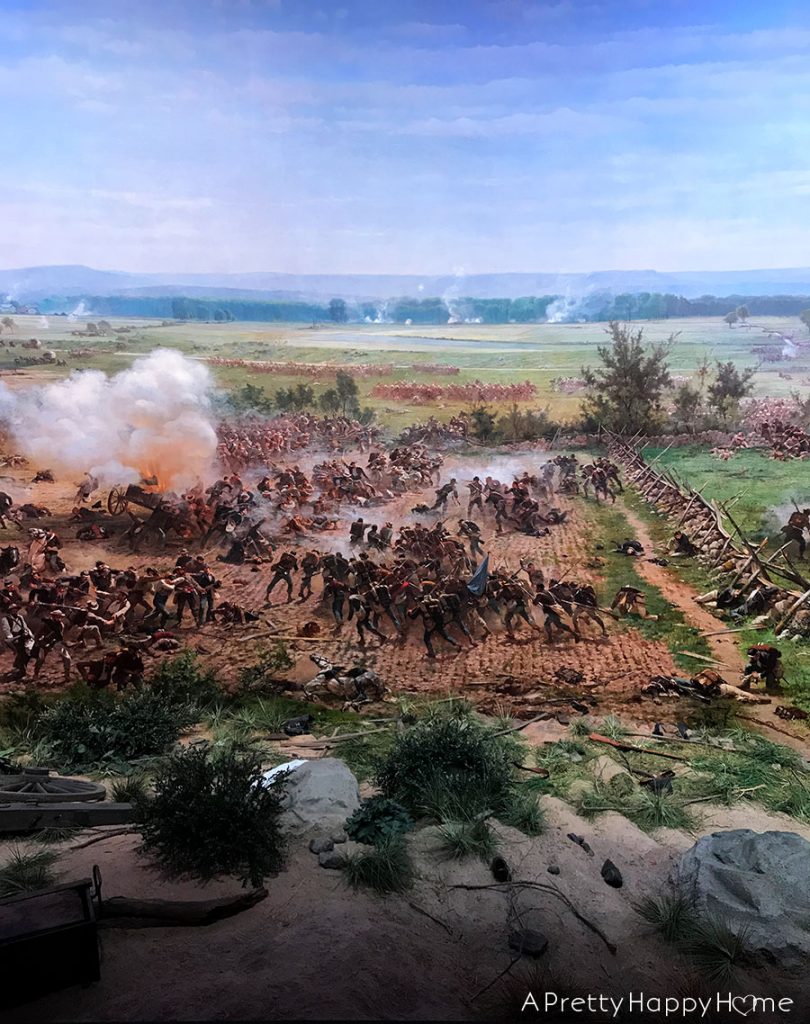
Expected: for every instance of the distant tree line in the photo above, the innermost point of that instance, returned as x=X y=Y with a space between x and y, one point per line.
x=595 y=307
x=341 y=400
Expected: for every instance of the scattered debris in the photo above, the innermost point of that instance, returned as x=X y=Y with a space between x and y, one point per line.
x=790 y=713
x=580 y=842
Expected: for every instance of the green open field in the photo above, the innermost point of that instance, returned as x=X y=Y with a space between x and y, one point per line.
x=759 y=490
x=503 y=353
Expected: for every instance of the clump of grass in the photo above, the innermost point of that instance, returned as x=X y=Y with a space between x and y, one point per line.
x=376 y=820
x=130 y=789
x=386 y=868
x=758 y=770
x=716 y=949
x=612 y=727
x=670 y=916
x=26 y=871
x=524 y=812
x=56 y=834
x=581 y=727
x=182 y=681
x=653 y=811
x=461 y=839
x=452 y=768
x=647 y=810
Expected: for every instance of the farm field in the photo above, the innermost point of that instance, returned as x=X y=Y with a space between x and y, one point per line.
x=504 y=354
x=760 y=490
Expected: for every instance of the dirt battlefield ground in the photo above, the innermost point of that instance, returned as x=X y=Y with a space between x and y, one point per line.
x=615 y=667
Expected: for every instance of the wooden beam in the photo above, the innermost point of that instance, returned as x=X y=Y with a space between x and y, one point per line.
x=81 y=814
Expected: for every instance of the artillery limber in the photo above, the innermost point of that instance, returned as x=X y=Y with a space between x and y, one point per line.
x=167 y=514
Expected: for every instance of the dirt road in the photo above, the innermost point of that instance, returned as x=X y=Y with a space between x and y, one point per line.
x=724 y=648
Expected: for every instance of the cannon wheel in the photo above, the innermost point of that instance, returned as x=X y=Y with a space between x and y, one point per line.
x=35 y=785
x=117 y=501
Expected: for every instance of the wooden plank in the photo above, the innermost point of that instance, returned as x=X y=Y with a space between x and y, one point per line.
x=29 y=817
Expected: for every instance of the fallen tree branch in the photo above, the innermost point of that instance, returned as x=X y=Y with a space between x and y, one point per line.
x=542 y=772
x=421 y=910
x=709 y=661
x=768 y=725
x=179 y=913
x=544 y=887
x=100 y=839
x=517 y=728
x=596 y=737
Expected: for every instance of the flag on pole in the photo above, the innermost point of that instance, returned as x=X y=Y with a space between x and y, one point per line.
x=478 y=581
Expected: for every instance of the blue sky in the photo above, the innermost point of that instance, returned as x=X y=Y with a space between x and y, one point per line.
x=405 y=137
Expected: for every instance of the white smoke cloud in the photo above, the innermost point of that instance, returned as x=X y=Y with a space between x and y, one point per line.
x=151 y=420
x=563 y=310
x=381 y=315
x=457 y=310
x=81 y=309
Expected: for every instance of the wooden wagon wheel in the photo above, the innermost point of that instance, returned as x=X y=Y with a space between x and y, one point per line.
x=36 y=785
x=117 y=501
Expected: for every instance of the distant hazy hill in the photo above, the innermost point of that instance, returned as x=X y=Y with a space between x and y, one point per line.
x=32 y=283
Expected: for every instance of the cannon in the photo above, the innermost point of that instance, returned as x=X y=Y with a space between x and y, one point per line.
x=165 y=516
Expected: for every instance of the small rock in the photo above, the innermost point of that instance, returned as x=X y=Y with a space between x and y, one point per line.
x=322 y=845
x=500 y=870
x=528 y=941
x=606 y=769
x=339 y=837
x=580 y=842
x=612 y=875
x=332 y=859
x=553 y=869
x=579 y=789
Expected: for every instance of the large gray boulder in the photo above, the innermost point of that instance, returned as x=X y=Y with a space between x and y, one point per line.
x=759 y=881
x=319 y=794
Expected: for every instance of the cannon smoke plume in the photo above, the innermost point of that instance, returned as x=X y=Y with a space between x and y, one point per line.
x=151 y=420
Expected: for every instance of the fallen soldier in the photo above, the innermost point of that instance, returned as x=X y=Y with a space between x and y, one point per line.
x=631 y=548
x=631 y=601
x=765 y=665
x=356 y=685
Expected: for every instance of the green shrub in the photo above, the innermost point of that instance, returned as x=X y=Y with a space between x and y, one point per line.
x=376 y=820
x=272 y=660
x=383 y=869
x=88 y=728
x=446 y=761
x=26 y=872
x=181 y=680
x=212 y=814
x=20 y=711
